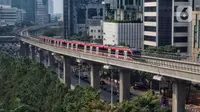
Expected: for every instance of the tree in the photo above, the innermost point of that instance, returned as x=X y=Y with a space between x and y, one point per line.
x=27 y=86
x=50 y=33
x=145 y=103
x=98 y=41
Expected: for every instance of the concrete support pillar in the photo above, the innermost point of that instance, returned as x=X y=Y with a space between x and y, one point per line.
x=178 y=96
x=41 y=56
x=94 y=75
x=124 y=88
x=33 y=53
x=51 y=60
x=67 y=71
x=27 y=50
x=22 y=49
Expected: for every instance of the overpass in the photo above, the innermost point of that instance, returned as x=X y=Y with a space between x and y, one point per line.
x=180 y=72
x=8 y=39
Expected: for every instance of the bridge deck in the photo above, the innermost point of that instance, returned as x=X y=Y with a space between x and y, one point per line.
x=166 y=67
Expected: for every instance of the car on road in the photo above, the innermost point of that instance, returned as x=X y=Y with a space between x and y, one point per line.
x=140 y=86
x=102 y=82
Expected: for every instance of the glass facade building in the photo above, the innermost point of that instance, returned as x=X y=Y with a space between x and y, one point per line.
x=30 y=6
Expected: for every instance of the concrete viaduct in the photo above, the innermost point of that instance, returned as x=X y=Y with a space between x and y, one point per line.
x=180 y=72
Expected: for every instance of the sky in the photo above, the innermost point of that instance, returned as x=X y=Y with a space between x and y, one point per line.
x=58 y=6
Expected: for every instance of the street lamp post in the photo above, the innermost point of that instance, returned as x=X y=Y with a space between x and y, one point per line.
x=79 y=70
x=111 y=89
x=79 y=73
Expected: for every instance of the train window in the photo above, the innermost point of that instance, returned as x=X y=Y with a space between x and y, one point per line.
x=87 y=47
x=52 y=42
x=80 y=46
x=121 y=52
x=74 y=46
x=64 y=44
x=103 y=50
x=112 y=51
x=94 y=48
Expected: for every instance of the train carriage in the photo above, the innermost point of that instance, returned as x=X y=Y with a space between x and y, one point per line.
x=115 y=52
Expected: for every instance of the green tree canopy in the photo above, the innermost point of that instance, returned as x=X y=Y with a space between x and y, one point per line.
x=50 y=33
x=26 y=86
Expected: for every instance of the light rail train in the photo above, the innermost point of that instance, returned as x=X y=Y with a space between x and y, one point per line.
x=98 y=49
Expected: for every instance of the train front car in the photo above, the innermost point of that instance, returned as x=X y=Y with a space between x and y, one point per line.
x=137 y=55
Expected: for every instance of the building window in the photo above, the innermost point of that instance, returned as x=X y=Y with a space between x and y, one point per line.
x=150 y=28
x=150 y=9
x=150 y=38
x=181 y=0
x=180 y=39
x=91 y=30
x=150 y=19
x=150 y=0
x=181 y=29
x=99 y=37
x=99 y=30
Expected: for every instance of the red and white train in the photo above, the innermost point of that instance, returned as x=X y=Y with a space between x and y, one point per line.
x=115 y=52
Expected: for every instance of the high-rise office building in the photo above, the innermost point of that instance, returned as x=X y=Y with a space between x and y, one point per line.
x=5 y=2
x=29 y=6
x=163 y=27
x=42 y=12
x=11 y=15
x=79 y=14
x=68 y=18
x=50 y=7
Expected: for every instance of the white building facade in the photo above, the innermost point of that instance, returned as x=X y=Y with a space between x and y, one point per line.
x=123 y=24
x=11 y=16
x=96 y=32
x=129 y=34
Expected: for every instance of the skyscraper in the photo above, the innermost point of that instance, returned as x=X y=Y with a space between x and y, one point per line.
x=29 y=6
x=5 y=2
x=42 y=12
x=68 y=18
x=161 y=24
x=50 y=7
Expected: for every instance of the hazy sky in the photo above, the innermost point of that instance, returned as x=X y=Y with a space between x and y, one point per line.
x=58 y=6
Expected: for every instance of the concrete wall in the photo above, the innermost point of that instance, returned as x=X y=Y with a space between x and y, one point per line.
x=96 y=32
x=128 y=33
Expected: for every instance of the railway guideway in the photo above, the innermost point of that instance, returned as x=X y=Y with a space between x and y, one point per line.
x=166 y=67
